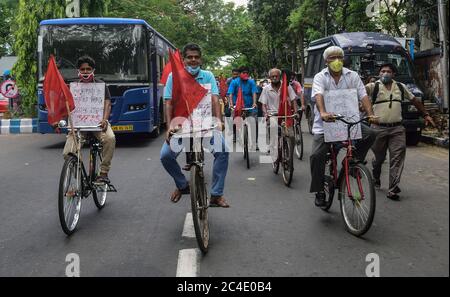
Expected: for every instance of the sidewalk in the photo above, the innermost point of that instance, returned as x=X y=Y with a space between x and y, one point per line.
x=438 y=141
x=18 y=126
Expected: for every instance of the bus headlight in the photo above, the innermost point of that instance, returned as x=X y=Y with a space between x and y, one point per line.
x=135 y=107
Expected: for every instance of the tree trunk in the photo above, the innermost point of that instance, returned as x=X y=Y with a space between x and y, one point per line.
x=325 y=17
x=344 y=15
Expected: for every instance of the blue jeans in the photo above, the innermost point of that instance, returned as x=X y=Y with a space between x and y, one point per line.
x=220 y=166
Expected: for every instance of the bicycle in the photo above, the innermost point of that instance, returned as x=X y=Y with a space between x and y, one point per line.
x=197 y=184
x=75 y=183
x=285 y=150
x=354 y=182
x=298 y=136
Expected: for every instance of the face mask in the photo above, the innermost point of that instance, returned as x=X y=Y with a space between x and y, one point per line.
x=386 y=79
x=336 y=65
x=244 y=76
x=193 y=70
x=86 y=77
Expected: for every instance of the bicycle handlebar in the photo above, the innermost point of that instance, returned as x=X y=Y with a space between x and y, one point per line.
x=175 y=131
x=341 y=118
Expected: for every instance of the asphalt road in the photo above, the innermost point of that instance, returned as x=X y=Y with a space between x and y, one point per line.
x=270 y=230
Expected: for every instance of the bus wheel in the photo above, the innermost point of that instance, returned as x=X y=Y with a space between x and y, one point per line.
x=155 y=133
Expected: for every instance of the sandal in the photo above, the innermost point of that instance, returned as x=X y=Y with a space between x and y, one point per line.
x=176 y=195
x=220 y=201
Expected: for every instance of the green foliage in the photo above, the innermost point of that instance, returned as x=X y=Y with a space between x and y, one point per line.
x=7 y=12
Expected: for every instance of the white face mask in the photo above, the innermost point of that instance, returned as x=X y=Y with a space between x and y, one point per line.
x=86 y=77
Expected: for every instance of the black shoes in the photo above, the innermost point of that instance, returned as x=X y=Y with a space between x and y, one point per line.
x=393 y=194
x=320 y=199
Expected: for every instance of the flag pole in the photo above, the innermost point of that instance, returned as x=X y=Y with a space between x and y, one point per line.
x=71 y=124
x=285 y=100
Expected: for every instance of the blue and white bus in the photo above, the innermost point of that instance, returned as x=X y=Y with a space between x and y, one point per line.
x=130 y=56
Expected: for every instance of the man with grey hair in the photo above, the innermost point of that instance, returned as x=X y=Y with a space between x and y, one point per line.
x=334 y=77
x=270 y=96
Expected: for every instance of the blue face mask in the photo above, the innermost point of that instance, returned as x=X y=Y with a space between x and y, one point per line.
x=193 y=70
x=386 y=79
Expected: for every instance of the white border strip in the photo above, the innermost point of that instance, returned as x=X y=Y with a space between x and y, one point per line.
x=188 y=263
x=188 y=229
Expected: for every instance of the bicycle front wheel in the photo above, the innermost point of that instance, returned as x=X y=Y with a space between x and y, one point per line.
x=99 y=192
x=246 y=157
x=357 y=198
x=298 y=141
x=69 y=195
x=199 y=206
x=287 y=159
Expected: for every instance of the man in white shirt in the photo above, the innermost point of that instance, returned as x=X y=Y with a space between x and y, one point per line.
x=270 y=98
x=334 y=77
x=270 y=95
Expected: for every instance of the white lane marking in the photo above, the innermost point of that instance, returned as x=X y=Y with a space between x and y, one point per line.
x=188 y=229
x=188 y=263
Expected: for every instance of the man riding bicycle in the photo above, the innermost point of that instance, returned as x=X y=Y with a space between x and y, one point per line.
x=192 y=60
x=270 y=96
x=334 y=77
x=249 y=92
x=86 y=69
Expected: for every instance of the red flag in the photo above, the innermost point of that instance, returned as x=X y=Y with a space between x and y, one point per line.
x=165 y=74
x=168 y=69
x=239 y=103
x=186 y=91
x=56 y=94
x=223 y=86
x=285 y=107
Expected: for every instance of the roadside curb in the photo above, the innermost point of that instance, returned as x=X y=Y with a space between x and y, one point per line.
x=441 y=142
x=18 y=126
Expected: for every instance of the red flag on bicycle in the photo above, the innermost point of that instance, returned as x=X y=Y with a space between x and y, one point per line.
x=239 y=103
x=186 y=91
x=56 y=94
x=285 y=107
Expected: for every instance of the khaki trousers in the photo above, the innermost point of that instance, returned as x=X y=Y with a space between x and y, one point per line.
x=394 y=140
x=108 y=141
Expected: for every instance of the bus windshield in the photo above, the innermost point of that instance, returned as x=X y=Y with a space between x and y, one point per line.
x=370 y=66
x=119 y=51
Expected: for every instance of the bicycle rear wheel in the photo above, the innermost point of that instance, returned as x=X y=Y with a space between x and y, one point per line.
x=298 y=141
x=357 y=211
x=199 y=206
x=99 y=192
x=70 y=195
x=287 y=159
x=246 y=157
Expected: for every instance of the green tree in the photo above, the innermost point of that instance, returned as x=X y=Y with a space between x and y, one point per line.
x=8 y=9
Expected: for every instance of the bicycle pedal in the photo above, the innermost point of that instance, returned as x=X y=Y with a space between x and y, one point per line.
x=111 y=188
